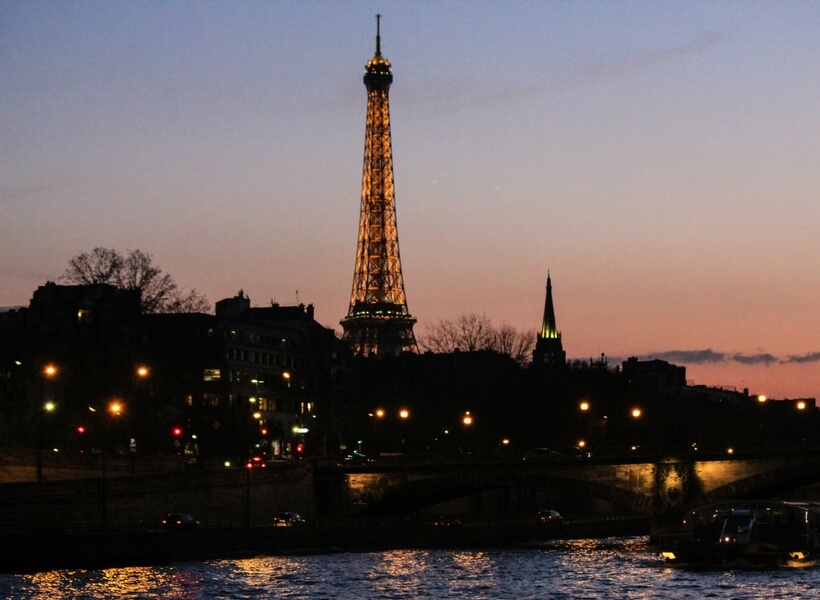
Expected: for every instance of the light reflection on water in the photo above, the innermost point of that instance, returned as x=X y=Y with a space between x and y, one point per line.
x=623 y=568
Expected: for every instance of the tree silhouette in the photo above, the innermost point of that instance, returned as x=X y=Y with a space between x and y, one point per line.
x=135 y=270
x=471 y=332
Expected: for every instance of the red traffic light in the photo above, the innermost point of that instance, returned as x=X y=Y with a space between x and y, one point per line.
x=177 y=431
x=300 y=448
x=80 y=429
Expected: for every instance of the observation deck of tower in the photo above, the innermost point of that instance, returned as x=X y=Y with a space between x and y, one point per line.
x=378 y=322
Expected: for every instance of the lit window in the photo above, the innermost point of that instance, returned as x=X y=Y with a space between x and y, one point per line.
x=211 y=375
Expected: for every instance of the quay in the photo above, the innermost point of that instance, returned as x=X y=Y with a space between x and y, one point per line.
x=40 y=551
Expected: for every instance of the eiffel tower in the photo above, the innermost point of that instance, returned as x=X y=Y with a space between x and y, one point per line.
x=378 y=322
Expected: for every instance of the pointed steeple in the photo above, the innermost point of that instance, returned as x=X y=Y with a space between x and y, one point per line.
x=548 y=347
x=548 y=327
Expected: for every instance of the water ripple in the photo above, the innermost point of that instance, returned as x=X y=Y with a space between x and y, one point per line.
x=623 y=568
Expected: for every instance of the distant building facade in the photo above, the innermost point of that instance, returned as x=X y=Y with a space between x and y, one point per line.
x=222 y=386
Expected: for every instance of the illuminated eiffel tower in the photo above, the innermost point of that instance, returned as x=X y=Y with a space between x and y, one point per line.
x=378 y=322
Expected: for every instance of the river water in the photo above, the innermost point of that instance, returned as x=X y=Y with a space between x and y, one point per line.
x=621 y=568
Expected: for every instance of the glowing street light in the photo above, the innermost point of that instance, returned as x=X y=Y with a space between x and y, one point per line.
x=404 y=413
x=636 y=413
x=584 y=406
x=468 y=419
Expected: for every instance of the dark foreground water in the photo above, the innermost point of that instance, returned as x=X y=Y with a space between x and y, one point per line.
x=620 y=568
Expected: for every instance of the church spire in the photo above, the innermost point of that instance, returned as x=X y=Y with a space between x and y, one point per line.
x=548 y=327
x=548 y=347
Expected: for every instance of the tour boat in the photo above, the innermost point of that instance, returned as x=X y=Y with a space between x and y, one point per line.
x=747 y=533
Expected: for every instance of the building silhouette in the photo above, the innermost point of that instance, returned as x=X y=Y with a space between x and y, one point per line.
x=378 y=322
x=548 y=348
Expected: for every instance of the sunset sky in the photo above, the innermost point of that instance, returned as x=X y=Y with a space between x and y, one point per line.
x=660 y=159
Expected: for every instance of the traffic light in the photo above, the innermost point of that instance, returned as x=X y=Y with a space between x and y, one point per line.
x=177 y=433
x=300 y=449
x=81 y=438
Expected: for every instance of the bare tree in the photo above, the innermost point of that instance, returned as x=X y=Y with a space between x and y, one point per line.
x=136 y=270
x=468 y=332
x=515 y=343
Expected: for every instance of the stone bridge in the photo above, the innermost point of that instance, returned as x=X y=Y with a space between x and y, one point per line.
x=659 y=486
x=654 y=486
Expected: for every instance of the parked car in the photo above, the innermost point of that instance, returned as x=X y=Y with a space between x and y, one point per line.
x=536 y=454
x=256 y=462
x=179 y=521
x=355 y=458
x=288 y=519
x=574 y=452
x=446 y=521
x=548 y=517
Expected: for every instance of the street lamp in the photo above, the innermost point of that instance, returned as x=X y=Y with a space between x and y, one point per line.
x=49 y=372
x=467 y=419
x=377 y=415
x=48 y=408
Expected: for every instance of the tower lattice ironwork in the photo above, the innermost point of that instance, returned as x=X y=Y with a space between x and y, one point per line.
x=378 y=321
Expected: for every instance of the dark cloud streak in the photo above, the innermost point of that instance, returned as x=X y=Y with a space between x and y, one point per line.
x=460 y=95
x=709 y=356
x=803 y=358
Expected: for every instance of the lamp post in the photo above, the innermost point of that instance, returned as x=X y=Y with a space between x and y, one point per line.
x=377 y=415
x=467 y=420
x=47 y=409
x=49 y=372
x=115 y=409
x=761 y=402
x=404 y=414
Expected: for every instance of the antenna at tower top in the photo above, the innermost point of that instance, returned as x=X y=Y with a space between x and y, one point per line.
x=378 y=36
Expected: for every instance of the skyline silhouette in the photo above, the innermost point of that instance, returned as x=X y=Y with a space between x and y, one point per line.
x=658 y=160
